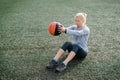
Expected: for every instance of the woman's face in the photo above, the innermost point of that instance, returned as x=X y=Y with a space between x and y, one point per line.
x=78 y=22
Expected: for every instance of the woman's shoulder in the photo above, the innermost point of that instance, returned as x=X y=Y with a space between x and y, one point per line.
x=86 y=28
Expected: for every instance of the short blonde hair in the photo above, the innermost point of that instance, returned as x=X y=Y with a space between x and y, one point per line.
x=82 y=17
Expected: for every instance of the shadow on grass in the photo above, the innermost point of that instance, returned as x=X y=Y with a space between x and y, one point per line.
x=42 y=73
x=51 y=75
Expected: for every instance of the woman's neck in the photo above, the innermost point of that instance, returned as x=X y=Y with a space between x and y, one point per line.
x=79 y=27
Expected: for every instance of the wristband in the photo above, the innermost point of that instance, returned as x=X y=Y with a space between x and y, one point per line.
x=65 y=30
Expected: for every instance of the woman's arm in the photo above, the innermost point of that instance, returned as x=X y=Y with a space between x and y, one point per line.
x=76 y=32
x=71 y=31
x=62 y=29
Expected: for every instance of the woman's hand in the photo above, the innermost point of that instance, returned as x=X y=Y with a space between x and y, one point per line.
x=61 y=29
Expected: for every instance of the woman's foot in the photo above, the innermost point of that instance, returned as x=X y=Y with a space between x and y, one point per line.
x=52 y=64
x=61 y=67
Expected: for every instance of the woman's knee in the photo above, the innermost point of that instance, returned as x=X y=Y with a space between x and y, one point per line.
x=66 y=45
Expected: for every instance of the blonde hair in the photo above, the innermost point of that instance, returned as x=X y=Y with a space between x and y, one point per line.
x=82 y=17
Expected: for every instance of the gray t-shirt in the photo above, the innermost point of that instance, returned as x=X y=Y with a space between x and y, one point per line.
x=80 y=37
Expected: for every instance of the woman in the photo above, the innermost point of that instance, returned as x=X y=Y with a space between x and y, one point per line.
x=78 y=48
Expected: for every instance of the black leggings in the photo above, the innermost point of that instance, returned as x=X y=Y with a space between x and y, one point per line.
x=80 y=53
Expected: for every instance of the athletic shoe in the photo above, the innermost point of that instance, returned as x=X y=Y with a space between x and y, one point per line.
x=61 y=67
x=51 y=64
